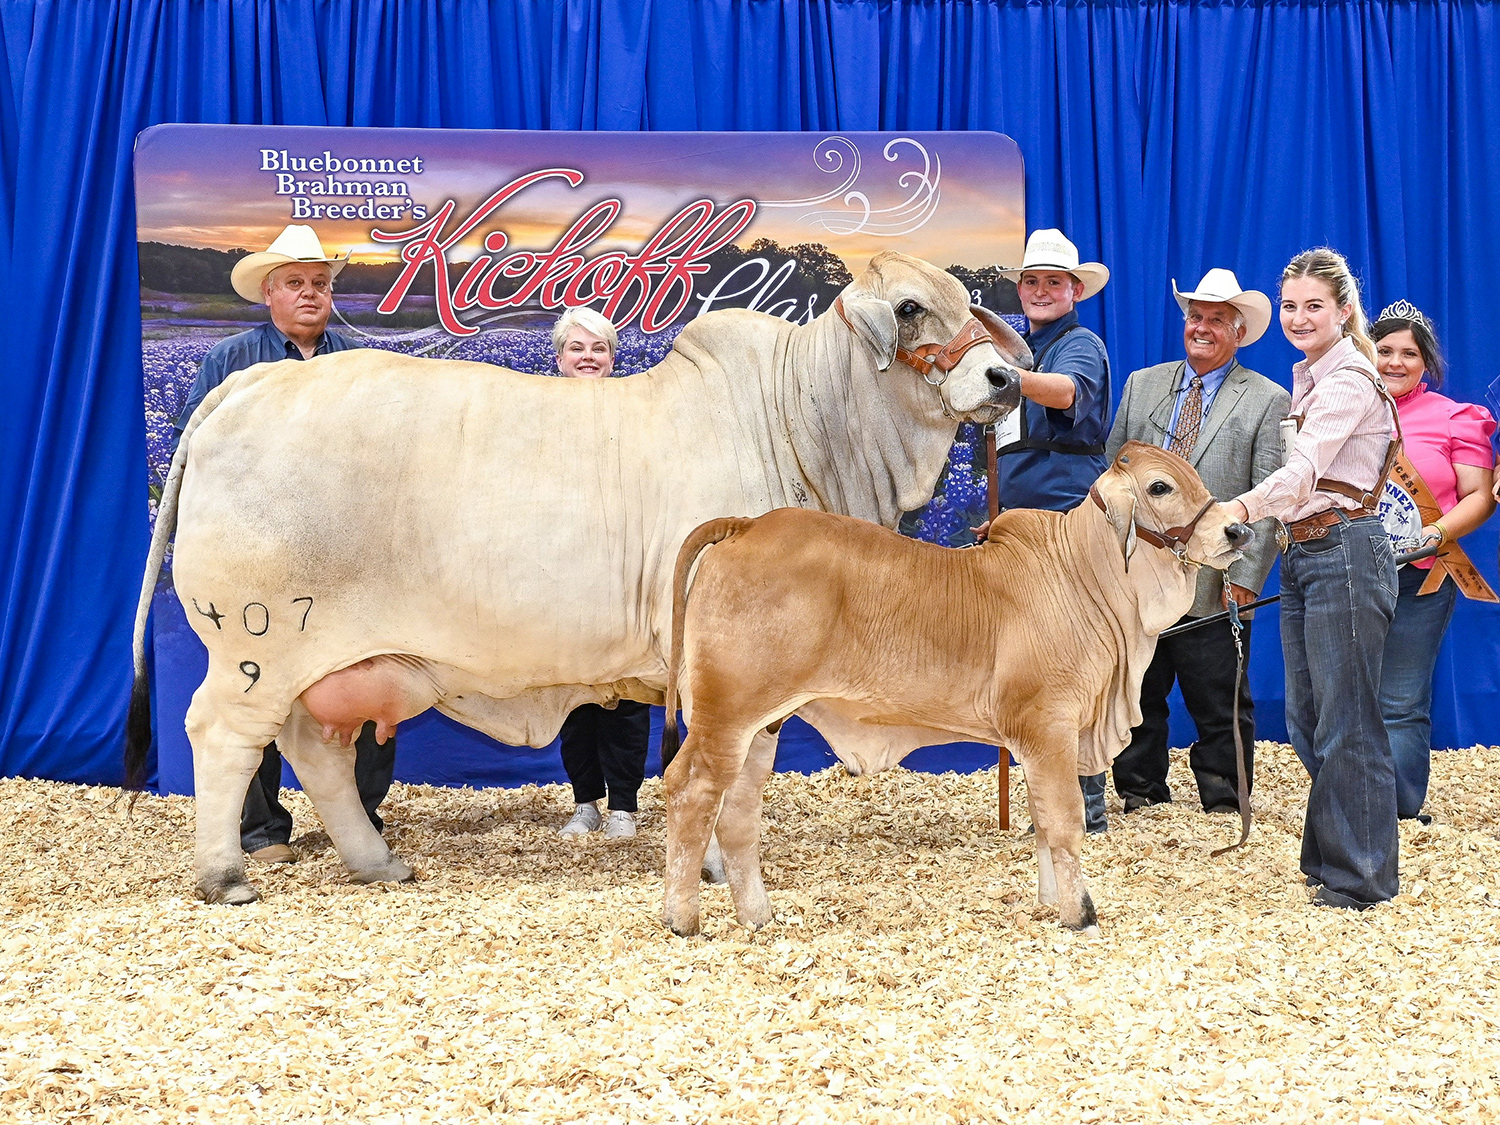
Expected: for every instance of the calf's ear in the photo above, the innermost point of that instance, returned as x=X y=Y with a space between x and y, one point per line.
x=1008 y=341
x=874 y=322
x=1119 y=510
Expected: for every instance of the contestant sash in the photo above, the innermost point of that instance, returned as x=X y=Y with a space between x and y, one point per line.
x=1450 y=559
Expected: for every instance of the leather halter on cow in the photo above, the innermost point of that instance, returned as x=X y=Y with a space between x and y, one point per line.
x=944 y=357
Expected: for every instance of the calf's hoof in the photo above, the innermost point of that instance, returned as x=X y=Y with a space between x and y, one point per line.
x=756 y=912
x=392 y=872
x=755 y=923
x=681 y=922
x=231 y=892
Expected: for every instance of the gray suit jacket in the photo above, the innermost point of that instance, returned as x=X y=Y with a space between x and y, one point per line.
x=1239 y=445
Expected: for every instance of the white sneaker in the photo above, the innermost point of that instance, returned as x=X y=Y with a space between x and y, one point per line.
x=620 y=826
x=585 y=820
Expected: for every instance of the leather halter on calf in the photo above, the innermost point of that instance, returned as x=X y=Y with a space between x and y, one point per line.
x=944 y=357
x=1174 y=539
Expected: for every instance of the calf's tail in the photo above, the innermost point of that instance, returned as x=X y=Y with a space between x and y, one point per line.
x=702 y=537
x=138 y=721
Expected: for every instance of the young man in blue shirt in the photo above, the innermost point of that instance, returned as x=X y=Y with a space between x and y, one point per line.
x=1065 y=403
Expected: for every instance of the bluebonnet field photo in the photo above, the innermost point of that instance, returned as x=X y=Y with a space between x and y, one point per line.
x=774 y=222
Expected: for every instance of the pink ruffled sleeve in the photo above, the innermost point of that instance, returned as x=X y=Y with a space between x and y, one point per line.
x=1470 y=428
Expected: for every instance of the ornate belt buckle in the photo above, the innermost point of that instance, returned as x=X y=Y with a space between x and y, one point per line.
x=1283 y=537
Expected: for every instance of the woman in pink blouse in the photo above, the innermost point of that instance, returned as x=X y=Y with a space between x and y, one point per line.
x=1338 y=584
x=1448 y=443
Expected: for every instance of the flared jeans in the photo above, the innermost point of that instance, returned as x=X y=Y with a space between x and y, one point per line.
x=1338 y=596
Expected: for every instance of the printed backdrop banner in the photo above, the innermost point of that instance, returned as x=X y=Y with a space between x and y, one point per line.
x=468 y=244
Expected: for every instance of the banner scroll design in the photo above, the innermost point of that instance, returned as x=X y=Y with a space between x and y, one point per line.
x=859 y=215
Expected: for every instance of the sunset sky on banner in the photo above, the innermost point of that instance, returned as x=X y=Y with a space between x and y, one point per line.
x=210 y=187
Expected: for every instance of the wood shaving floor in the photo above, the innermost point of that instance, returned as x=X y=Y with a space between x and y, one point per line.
x=909 y=977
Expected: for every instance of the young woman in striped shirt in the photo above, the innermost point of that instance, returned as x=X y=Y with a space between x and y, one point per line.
x=1338 y=583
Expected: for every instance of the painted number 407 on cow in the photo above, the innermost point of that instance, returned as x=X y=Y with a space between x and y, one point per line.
x=255 y=616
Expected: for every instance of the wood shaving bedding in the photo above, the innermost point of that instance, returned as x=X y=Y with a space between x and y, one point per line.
x=909 y=975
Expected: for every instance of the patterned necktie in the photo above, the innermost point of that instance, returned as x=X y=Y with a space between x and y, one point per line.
x=1189 y=419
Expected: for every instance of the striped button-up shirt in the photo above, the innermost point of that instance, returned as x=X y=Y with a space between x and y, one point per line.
x=1346 y=430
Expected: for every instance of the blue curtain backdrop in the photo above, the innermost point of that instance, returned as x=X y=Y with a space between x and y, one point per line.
x=1163 y=137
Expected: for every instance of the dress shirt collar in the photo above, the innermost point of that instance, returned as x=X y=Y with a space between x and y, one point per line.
x=1049 y=332
x=1342 y=354
x=291 y=350
x=1212 y=380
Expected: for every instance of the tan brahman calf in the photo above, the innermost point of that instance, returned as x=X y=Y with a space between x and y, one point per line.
x=1036 y=640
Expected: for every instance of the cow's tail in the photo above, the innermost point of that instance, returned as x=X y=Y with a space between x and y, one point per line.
x=138 y=722
x=702 y=537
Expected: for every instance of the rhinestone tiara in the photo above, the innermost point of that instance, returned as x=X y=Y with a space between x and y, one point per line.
x=1403 y=310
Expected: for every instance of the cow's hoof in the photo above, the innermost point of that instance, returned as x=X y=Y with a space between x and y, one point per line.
x=682 y=925
x=713 y=865
x=236 y=893
x=393 y=872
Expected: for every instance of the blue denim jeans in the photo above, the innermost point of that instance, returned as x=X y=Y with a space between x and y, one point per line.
x=1411 y=649
x=1338 y=595
x=265 y=821
x=1095 y=817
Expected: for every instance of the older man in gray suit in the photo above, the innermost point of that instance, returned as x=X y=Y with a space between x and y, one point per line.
x=1225 y=420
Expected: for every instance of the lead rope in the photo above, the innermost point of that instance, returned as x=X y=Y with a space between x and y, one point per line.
x=1242 y=779
x=992 y=493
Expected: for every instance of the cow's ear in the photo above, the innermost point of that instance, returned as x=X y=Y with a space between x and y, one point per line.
x=1008 y=341
x=874 y=322
x=1119 y=510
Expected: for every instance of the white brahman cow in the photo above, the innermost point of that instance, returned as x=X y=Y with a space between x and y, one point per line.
x=1036 y=640
x=367 y=535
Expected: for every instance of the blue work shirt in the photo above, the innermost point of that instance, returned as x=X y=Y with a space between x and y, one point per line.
x=265 y=344
x=1212 y=381
x=1032 y=477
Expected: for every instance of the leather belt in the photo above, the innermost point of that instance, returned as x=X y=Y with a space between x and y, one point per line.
x=1316 y=526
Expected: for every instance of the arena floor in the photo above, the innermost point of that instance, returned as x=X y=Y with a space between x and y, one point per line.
x=908 y=976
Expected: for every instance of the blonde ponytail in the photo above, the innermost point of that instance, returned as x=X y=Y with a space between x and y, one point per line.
x=1331 y=268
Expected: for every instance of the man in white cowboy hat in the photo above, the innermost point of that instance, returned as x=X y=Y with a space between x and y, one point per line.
x=1065 y=403
x=1225 y=420
x=293 y=277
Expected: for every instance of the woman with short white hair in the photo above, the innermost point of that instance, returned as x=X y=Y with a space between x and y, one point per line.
x=585 y=343
x=604 y=752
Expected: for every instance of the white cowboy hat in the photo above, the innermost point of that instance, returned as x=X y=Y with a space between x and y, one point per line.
x=1049 y=250
x=1222 y=286
x=295 y=244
